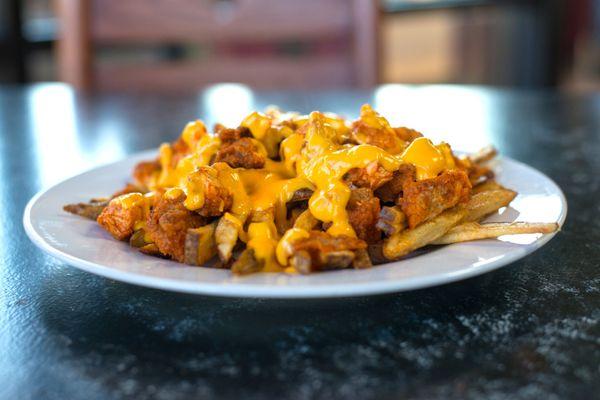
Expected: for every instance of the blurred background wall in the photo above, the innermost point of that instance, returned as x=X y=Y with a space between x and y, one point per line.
x=186 y=44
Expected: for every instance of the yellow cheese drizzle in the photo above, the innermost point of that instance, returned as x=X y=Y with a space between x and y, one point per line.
x=315 y=159
x=131 y=200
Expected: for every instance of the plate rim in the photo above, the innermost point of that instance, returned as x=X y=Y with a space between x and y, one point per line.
x=240 y=290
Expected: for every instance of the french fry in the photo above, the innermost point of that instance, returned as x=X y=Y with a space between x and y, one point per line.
x=376 y=253
x=226 y=236
x=361 y=259
x=89 y=210
x=483 y=155
x=485 y=203
x=400 y=244
x=200 y=245
x=306 y=221
x=246 y=263
x=138 y=239
x=151 y=249
x=475 y=231
x=391 y=220
x=336 y=259
x=301 y=195
x=487 y=186
x=340 y=259
x=301 y=262
x=263 y=215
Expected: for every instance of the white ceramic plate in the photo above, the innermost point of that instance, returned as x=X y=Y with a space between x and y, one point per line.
x=84 y=244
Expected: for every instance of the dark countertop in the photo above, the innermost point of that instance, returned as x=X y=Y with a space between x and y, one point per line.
x=529 y=330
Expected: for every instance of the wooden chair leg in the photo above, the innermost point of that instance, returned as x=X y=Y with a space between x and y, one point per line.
x=73 y=48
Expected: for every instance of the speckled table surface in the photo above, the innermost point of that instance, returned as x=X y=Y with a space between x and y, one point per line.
x=529 y=330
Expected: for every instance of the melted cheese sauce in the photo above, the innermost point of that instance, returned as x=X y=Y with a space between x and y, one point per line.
x=130 y=200
x=429 y=160
x=314 y=157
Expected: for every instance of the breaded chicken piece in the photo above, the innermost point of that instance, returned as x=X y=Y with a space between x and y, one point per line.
x=168 y=223
x=129 y=188
x=363 y=213
x=372 y=176
x=241 y=153
x=390 y=191
x=119 y=220
x=407 y=134
x=204 y=182
x=385 y=139
x=144 y=172
x=424 y=199
x=230 y=135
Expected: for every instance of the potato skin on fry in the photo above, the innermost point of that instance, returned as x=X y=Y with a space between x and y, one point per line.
x=246 y=263
x=168 y=223
x=200 y=245
x=324 y=251
x=89 y=210
x=391 y=220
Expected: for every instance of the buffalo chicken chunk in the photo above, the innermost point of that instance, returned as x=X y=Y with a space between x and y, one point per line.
x=390 y=191
x=363 y=213
x=168 y=223
x=372 y=176
x=424 y=199
x=241 y=153
x=119 y=220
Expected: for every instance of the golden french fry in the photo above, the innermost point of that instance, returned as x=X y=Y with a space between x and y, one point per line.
x=376 y=253
x=89 y=210
x=151 y=250
x=306 y=221
x=200 y=244
x=487 y=186
x=391 y=220
x=301 y=262
x=474 y=231
x=336 y=259
x=400 y=244
x=361 y=259
x=483 y=155
x=246 y=263
x=226 y=236
x=485 y=203
x=263 y=215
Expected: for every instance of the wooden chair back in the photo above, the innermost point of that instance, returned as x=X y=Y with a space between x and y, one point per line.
x=342 y=34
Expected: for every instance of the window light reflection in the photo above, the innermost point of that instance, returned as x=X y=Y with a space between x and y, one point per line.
x=58 y=151
x=227 y=103
x=460 y=116
x=109 y=147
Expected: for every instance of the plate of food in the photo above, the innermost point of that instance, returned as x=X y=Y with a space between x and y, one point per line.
x=292 y=206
